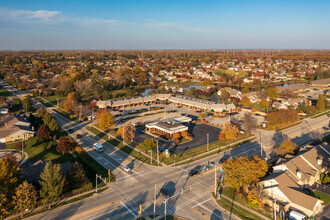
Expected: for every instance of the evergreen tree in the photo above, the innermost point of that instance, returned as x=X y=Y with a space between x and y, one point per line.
x=52 y=183
x=320 y=105
x=76 y=176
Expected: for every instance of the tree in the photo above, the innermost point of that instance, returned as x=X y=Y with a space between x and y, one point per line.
x=229 y=131
x=128 y=131
x=254 y=197
x=78 y=149
x=47 y=118
x=41 y=112
x=25 y=197
x=53 y=126
x=249 y=123
x=52 y=183
x=10 y=178
x=286 y=147
x=272 y=93
x=242 y=171
x=148 y=144
x=76 y=176
x=224 y=95
x=320 y=104
x=34 y=73
x=245 y=101
x=3 y=206
x=64 y=145
x=105 y=119
x=43 y=132
x=120 y=131
x=245 y=90
x=282 y=118
x=184 y=133
x=202 y=116
x=264 y=103
x=26 y=104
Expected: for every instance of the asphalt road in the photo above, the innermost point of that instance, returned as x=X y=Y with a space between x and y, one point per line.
x=137 y=187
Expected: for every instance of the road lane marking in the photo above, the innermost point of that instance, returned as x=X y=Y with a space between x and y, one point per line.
x=201 y=202
x=199 y=213
x=128 y=209
x=93 y=210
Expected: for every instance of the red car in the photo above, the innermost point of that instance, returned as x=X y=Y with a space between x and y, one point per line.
x=79 y=136
x=206 y=122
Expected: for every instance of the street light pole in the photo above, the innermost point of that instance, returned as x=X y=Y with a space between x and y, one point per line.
x=155 y=200
x=157 y=153
x=151 y=157
x=207 y=142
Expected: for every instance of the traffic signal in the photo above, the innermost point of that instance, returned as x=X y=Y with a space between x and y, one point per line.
x=140 y=209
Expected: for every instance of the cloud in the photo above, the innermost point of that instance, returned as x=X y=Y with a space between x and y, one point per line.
x=24 y=16
x=176 y=27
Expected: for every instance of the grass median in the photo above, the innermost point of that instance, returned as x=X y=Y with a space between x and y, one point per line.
x=120 y=146
x=67 y=115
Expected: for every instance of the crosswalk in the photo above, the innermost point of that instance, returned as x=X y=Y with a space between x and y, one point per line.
x=189 y=201
x=134 y=177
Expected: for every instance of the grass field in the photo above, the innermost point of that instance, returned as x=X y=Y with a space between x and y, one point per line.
x=243 y=200
x=38 y=151
x=67 y=115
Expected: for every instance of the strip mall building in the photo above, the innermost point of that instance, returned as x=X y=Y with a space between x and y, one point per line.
x=193 y=103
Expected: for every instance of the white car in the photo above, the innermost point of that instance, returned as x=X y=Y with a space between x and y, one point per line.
x=126 y=168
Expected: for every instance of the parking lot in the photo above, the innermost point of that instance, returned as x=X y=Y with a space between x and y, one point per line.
x=199 y=133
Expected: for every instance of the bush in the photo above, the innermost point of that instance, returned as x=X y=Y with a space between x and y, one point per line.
x=49 y=146
x=84 y=188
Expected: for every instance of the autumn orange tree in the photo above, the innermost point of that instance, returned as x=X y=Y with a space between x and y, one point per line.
x=228 y=132
x=105 y=119
x=286 y=147
x=282 y=118
x=264 y=103
x=64 y=145
x=184 y=133
x=241 y=172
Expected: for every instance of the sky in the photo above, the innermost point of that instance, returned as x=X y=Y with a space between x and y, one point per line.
x=164 y=24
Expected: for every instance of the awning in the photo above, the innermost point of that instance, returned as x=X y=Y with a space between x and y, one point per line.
x=212 y=110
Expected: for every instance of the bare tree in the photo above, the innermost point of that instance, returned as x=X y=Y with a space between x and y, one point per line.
x=82 y=87
x=249 y=123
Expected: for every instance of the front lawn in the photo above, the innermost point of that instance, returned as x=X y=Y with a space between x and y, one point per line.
x=320 y=195
x=38 y=151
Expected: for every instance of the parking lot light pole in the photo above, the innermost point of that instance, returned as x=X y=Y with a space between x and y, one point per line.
x=215 y=179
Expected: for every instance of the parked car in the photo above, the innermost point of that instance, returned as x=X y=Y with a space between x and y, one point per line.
x=126 y=168
x=79 y=136
x=328 y=115
x=206 y=122
x=70 y=130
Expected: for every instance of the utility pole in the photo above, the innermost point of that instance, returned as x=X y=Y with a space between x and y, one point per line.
x=155 y=200
x=151 y=156
x=215 y=179
x=157 y=152
x=57 y=102
x=274 y=209
x=96 y=176
x=92 y=114
x=165 y=209
x=80 y=112
x=22 y=146
x=207 y=142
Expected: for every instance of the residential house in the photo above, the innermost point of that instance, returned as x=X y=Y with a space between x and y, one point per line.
x=14 y=128
x=293 y=173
